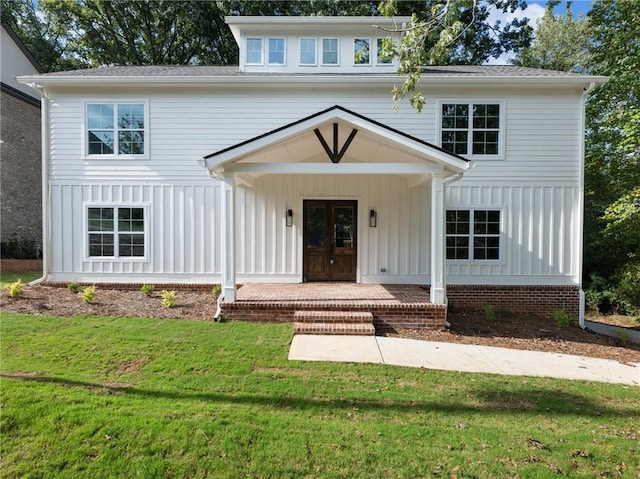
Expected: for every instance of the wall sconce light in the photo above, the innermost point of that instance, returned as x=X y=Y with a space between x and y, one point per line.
x=373 y=219
x=289 y=218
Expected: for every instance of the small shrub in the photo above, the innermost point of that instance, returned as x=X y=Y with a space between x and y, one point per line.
x=623 y=335
x=489 y=312
x=216 y=290
x=563 y=319
x=87 y=294
x=147 y=289
x=73 y=287
x=168 y=298
x=15 y=289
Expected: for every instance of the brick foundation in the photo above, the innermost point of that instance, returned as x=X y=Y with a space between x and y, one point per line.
x=531 y=300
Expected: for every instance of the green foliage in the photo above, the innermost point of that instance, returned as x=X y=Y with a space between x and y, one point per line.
x=561 y=43
x=489 y=312
x=15 y=289
x=20 y=249
x=147 y=289
x=628 y=287
x=216 y=290
x=168 y=298
x=455 y=32
x=73 y=286
x=562 y=318
x=88 y=293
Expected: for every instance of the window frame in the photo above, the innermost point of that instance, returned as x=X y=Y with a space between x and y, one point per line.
x=470 y=130
x=116 y=232
x=284 y=51
x=361 y=39
x=315 y=51
x=115 y=103
x=472 y=235
x=337 y=39
x=261 y=50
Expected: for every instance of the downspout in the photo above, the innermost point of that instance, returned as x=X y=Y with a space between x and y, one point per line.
x=46 y=214
x=446 y=183
x=580 y=252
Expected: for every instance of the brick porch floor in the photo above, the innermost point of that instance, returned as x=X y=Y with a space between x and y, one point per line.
x=391 y=305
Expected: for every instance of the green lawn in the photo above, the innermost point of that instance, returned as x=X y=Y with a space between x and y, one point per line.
x=104 y=397
x=7 y=277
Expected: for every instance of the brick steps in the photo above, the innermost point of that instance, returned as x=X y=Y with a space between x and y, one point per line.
x=358 y=323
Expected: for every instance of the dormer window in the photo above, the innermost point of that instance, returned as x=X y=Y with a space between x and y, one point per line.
x=254 y=51
x=308 y=51
x=381 y=58
x=276 y=51
x=329 y=51
x=361 y=51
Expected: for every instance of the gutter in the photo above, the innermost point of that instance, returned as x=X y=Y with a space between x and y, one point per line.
x=580 y=252
x=46 y=214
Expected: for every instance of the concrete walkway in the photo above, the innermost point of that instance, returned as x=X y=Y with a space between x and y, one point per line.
x=461 y=357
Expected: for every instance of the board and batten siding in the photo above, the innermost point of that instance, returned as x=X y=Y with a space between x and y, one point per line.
x=536 y=185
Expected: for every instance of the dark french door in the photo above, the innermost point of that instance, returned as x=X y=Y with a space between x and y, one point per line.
x=330 y=228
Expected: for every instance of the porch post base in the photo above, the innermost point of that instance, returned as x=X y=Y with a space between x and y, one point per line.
x=438 y=295
x=229 y=294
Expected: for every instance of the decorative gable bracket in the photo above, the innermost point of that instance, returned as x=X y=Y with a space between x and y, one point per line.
x=335 y=155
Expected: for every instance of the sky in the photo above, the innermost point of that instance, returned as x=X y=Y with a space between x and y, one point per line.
x=534 y=12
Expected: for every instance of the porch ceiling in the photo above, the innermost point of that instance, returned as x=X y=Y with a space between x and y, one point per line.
x=296 y=148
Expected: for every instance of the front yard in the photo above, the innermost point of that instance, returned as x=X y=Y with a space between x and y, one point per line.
x=105 y=397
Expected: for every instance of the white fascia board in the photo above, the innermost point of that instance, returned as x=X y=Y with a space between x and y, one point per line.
x=337 y=168
x=233 y=155
x=313 y=20
x=287 y=79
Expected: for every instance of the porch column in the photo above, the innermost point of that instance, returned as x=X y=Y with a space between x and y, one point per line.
x=228 y=239
x=438 y=290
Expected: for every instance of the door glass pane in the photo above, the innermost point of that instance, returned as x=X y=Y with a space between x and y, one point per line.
x=343 y=226
x=316 y=224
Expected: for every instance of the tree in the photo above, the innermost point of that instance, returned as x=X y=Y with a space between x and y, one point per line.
x=144 y=32
x=455 y=31
x=560 y=43
x=46 y=44
x=612 y=173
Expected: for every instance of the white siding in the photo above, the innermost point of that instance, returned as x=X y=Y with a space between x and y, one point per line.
x=15 y=63
x=536 y=186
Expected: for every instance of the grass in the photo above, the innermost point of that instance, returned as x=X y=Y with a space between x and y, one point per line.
x=105 y=397
x=7 y=277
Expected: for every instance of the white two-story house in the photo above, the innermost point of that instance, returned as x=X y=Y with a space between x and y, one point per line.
x=294 y=167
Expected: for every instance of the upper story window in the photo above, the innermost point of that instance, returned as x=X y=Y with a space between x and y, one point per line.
x=116 y=129
x=308 y=51
x=115 y=232
x=254 y=51
x=361 y=51
x=472 y=129
x=329 y=51
x=381 y=57
x=276 y=51
x=473 y=234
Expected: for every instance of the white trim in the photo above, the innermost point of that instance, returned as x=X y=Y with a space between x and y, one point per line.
x=474 y=101
x=336 y=168
x=146 y=206
x=511 y=280
x=115 y=101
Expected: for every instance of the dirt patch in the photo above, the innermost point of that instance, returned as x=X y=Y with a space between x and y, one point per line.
x=516 y=332
x=20 y=265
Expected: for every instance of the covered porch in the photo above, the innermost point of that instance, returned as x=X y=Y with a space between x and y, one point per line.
x=351 y=167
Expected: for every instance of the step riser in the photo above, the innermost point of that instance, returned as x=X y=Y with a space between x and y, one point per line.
x=335 y=329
